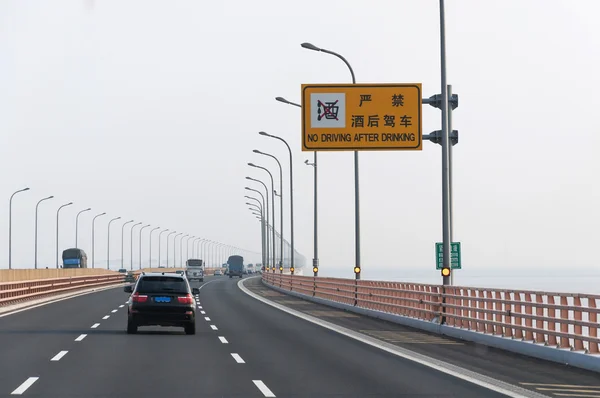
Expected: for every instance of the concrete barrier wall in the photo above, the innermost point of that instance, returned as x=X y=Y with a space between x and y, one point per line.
x=12 y=275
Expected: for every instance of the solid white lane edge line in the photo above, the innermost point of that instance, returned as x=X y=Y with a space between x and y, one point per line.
x=106 y=317
x=441 y=366
x=23 y=387
x=113 y=311
x=58 y=356
x=207 y=318
x=203 y=312
x=95 y=325
x=237 y=358
x=81 y=337
x=213 y=327
x=223 y=340
x=263 y=388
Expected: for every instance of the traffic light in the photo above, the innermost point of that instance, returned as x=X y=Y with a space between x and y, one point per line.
x=445 y=272
x=315 y=269
x=357 y=270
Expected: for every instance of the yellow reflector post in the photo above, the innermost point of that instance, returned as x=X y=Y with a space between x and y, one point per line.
x=292 y=269
x=357 y=270
x=445 y=271
x=315 y=270
x=280 y=268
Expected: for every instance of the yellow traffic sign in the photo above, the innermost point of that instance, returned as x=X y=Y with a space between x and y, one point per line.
x=361 y=117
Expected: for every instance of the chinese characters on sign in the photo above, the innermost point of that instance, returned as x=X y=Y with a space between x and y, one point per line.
x=361 y=117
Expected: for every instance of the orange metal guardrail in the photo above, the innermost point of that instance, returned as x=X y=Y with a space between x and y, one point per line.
x=562 y=320
x=12 y=292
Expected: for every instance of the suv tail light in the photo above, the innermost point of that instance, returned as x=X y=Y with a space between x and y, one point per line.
x=187 y=299
x=137 y=298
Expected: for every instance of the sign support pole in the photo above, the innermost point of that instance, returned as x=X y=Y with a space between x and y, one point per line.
x=446 y=222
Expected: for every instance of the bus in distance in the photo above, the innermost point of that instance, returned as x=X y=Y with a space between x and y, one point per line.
x=194 y=270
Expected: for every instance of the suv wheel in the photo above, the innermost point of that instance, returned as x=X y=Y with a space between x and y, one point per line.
x=131 y=327
x=190 y=328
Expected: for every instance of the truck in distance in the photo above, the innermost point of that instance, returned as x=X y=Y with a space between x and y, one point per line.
x=74 y=258
x=235 y=266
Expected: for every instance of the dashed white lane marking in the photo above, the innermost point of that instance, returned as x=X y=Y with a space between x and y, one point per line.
x=58 y=356
x=113 y=311
x=207 y=318
x=121 y=306
x=213 y=327
x=237 y=358
x=203 y=312
x=106 y=317
x=223 y=340
x=95 y=325
x=200 y=306
x=81 y=337
x=26 y=384
x=263 y=388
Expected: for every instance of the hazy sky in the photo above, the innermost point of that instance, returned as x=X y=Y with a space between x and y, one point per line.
x=150 y=110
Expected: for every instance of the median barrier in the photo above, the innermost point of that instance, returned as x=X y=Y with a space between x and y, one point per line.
x=12 y=275
x=560 y=327
x=17 y=291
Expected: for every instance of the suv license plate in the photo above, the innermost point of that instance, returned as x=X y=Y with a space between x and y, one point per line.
x=162 y=299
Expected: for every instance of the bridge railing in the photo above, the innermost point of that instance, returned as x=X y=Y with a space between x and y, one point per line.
x=13 y=292
x=561 y=320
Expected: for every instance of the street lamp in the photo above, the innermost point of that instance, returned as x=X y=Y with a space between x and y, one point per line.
x=36 y=228
x=131 y=245
x=140 y=243
x=159 y=241
x=57 y=224
x=291 y=196
x=122 y=237
x=150 y=247
x=10 y=226
x=262 y=235
x=266 y=208
x=187 y=247
x=272 y=207
x=93 y=234
x=175 y=249
x=312 y=47
x=77 y=223
x=194 y=247
x=108 y=243
x=280 y=201
x=204 y=250
x=315 y=218
x=181 y=250
x=171 y=233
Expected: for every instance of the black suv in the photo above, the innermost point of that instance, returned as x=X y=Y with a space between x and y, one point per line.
x=161 y=299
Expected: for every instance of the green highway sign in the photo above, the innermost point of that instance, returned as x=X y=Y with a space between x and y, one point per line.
x=454 y=255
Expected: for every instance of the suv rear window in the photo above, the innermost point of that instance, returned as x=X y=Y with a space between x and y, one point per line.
x=162 y=284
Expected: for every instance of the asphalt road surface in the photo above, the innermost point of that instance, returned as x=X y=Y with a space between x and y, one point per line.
x=242 y=348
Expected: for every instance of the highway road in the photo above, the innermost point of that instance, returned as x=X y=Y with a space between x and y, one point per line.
x=243 y=348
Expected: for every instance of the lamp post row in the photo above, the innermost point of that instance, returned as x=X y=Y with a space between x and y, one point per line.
x=93 y=262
